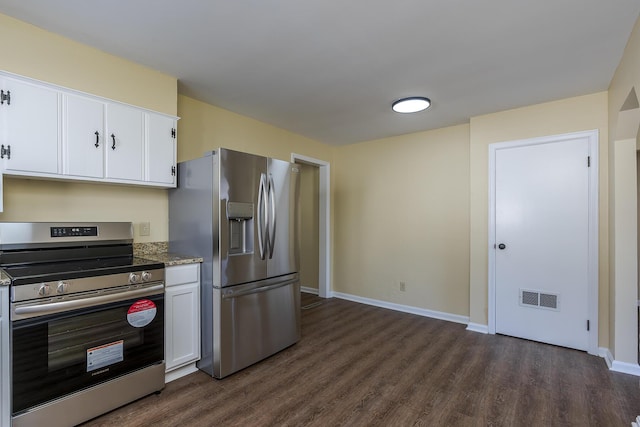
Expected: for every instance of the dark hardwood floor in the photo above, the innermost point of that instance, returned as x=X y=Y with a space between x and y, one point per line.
x=358 y=365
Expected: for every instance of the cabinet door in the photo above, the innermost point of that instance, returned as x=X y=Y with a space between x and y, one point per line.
x=182 y=325
x=125 y=143
x=84 y=136
x=30 y=128
x=161 y=149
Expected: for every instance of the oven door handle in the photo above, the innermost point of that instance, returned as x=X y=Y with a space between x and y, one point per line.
x=35 y=310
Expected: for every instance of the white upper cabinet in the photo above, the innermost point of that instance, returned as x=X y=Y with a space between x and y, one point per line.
x=84 y=136
x=30 y=133
x=125 y=146
x=161 y=149
x=58 y=133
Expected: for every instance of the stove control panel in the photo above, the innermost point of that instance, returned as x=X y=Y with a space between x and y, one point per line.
x=59 y=289
x=44 y=289
x=73 y=231
x=144 y=276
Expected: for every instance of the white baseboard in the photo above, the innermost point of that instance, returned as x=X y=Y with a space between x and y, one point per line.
x=617 y=366
x=606 y=355
x=180 y=372
x=478 y=327
x=626 y=368
x=404 y=308
x=308 y=290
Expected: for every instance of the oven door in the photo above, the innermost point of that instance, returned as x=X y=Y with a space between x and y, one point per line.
x=66 y=346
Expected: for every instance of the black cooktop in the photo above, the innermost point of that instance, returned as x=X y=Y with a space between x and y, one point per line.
x=66 y=270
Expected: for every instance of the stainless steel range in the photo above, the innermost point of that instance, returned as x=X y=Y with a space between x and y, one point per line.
x=87 y=320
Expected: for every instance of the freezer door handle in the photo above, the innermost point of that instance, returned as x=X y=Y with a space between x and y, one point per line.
x=231 y=294
x=262 y=211
x=272 y=229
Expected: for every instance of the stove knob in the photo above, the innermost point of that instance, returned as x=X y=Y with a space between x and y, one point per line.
x=146 y=276
x=134 y=278
x=44 y=290
x=62 y=287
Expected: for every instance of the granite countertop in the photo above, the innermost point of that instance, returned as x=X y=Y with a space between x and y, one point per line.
x=4 y=279
x=170 y=259
x=158 y=251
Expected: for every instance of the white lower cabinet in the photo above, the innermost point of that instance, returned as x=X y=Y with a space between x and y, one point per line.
x=5 y=411
x=182 y=320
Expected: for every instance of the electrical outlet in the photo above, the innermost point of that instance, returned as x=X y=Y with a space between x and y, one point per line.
x=403 y=287
x=145 y=228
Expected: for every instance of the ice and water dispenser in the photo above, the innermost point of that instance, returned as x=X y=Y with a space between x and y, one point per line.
x=241 y=223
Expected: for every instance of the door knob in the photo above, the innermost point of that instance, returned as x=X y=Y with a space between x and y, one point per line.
x=501 y=246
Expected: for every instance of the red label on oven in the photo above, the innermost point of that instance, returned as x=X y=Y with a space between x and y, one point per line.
x=141 y=313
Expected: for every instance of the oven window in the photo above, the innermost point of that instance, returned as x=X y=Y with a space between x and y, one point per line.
x=60 y=354
x=71 y=339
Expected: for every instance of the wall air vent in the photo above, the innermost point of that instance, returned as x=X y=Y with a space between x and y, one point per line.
x=538 y=299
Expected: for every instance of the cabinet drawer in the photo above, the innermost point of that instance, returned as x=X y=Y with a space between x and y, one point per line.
x=181 y=274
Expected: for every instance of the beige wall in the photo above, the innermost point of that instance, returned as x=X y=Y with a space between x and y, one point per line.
x=623 y=277
x=567 y=115
x=32 y=52
x=204 y=127
x=402 y=214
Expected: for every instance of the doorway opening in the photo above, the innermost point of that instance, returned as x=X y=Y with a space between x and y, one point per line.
x=624 y=287
x=323 y=221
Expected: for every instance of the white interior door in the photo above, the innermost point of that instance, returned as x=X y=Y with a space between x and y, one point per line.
x=542 y=237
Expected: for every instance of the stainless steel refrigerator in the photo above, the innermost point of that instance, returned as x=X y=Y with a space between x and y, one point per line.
x=238 y=211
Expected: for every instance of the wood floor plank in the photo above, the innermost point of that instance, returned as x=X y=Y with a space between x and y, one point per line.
x=358 y=365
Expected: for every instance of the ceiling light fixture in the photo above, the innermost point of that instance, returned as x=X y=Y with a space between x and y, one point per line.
x=411 y=105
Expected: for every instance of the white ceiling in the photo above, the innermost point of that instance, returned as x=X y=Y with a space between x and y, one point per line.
x=330 y=69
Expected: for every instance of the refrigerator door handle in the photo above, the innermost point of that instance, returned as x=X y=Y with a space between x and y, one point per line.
x=272 y=229
x=231 y=294
x=262 y=210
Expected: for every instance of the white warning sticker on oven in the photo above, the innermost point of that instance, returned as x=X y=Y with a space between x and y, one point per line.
x=141 y=313
x=105 y=355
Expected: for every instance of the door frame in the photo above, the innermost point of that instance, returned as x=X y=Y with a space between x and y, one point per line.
x=592 y=285
x=324 y=222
